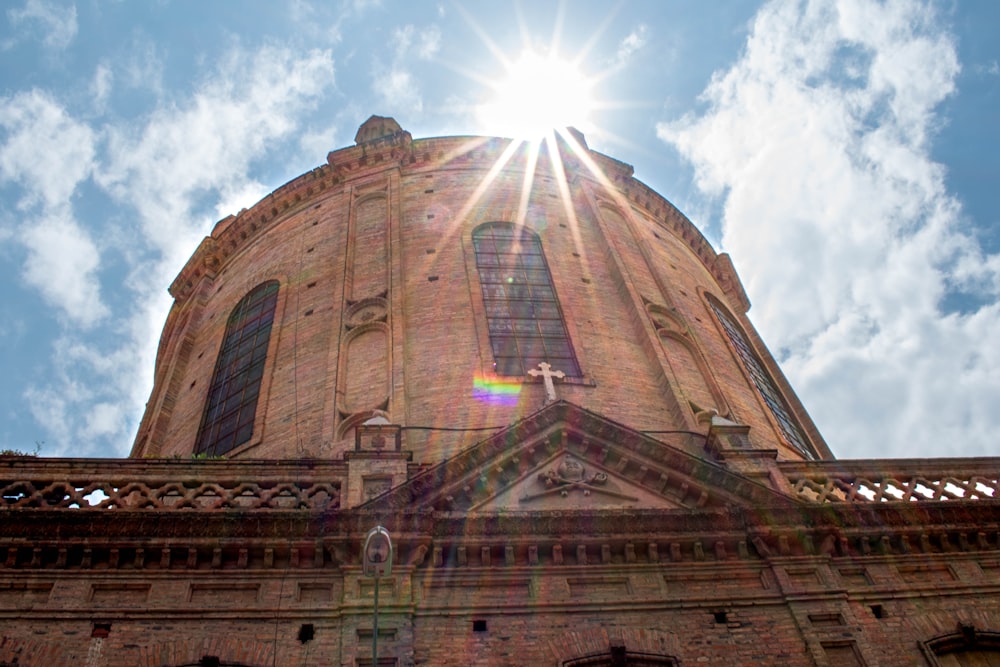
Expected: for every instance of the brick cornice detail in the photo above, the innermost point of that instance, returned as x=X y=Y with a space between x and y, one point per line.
x=400 y=151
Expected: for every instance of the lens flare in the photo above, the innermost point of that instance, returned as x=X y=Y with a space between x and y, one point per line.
x=496 y=391
x=539 y=94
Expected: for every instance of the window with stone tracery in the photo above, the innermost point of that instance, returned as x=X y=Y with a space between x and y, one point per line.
x=231 y=406
x=762 y=380
x=525 y=322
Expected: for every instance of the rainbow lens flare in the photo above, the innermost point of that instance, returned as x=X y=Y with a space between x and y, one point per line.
x=496 y=391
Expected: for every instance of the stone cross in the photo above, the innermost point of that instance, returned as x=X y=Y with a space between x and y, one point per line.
x=547 y=374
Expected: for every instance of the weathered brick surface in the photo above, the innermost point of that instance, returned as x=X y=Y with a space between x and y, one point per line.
x=503 y=557
x=394 y=224
x=712 y=612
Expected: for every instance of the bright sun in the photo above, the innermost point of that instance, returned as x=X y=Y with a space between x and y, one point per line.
x=539 y=94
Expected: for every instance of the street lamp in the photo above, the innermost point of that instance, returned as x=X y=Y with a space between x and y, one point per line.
x=377 y=561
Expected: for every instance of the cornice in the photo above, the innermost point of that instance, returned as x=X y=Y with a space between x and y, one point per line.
x=400 y=151
x=141 y=541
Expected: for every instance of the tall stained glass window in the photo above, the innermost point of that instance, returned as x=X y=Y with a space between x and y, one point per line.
x=525 y=323
x=762 y=380
x=232 y=397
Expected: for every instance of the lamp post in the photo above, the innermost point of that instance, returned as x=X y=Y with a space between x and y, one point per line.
x=377 y=560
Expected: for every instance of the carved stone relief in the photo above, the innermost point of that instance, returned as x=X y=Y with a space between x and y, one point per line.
x=365 y=312
x=571 y=476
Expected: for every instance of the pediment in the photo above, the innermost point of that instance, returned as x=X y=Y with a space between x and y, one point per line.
x=564 y=457
x=568 y=482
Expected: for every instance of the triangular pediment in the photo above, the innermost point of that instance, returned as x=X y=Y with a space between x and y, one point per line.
x=565 y=458
x=569 y=482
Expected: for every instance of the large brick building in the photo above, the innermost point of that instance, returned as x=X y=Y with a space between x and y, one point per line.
x=539 y=377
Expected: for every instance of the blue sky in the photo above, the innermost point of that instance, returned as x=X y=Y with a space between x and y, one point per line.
x=844 y=153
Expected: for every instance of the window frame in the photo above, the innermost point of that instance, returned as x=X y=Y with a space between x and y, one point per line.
x=525 y=323
x=762 y=380
x=965 y=638
x=230 y=408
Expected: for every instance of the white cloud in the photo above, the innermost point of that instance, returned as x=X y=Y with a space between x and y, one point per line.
x=45 y=150
x=395 y=84
x=429 y=43
x=398 y=91
x=56 y=20
x=103 y=420
x=174 y=173
x=992 y=68
x=848 y=243
x=50 y=408
x=100 y=86
x=62 y=264
x=314 y=20
x=85 y=404
x=49 y=154
x=143 y=68
x=320 y=141
x=237 y=196
x=634 y=41
x=207 y=143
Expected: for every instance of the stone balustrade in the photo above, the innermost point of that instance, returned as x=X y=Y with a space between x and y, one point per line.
x=166 y=484
x=894 y=480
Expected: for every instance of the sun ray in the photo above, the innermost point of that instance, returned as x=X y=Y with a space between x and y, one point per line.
x=609 y=188
x=596 y=35
x=454 y=224
x=483 y=186
x=563 y=184
x=484 y=36
x=527 y=183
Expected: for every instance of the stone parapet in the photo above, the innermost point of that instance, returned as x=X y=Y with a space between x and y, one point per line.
x=895 y=480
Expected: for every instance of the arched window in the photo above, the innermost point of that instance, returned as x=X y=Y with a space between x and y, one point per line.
x=762 y=380
x=968 y=647
x=232 y=397
x=525 y=322
x=618 y=656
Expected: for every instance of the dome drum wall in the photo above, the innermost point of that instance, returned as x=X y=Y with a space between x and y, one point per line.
x=381 y=306
x=690 y=285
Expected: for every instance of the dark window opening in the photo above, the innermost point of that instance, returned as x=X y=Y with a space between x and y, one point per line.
x=306 y=632
x=231 y=405
x=479 y=625
x=525 y=323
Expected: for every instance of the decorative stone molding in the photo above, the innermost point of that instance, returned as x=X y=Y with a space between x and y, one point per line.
x=366 y=311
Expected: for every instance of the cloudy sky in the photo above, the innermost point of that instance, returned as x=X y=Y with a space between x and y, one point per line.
x=844 y=153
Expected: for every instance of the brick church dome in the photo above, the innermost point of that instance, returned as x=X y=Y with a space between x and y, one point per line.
x=424 y=281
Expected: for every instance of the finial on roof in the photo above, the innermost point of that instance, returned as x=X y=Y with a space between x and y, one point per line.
x=376 y=127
